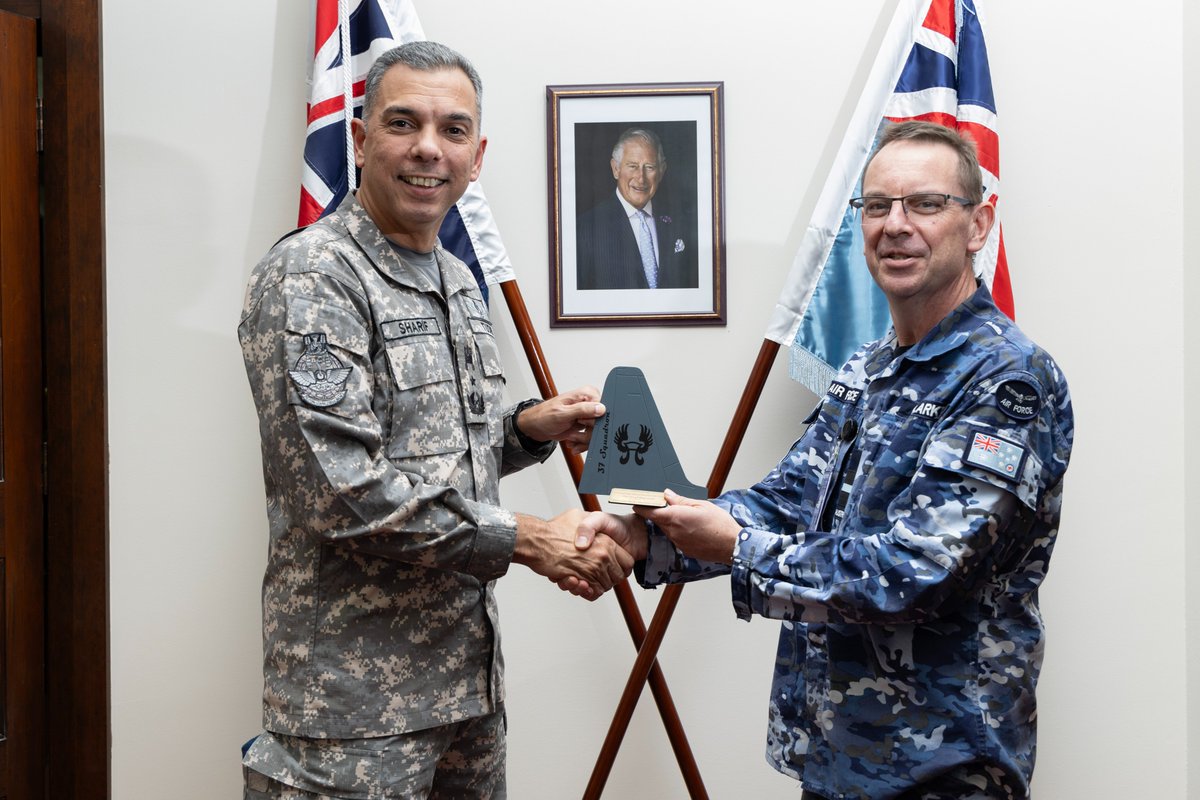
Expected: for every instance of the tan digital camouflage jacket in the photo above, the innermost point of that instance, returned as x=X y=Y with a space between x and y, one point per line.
x=384 y=435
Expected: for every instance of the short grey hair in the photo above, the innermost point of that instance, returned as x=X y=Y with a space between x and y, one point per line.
x=649 y=137
x=932 y=133
x=426 y=57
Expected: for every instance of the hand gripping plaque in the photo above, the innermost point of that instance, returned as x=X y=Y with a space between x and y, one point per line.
x=630 y=457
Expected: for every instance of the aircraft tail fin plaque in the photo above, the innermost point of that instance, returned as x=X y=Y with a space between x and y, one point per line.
x=631 y=458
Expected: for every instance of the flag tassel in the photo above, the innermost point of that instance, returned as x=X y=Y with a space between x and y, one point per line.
x=809 y=369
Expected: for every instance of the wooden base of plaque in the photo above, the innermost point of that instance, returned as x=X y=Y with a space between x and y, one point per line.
x=637 y=497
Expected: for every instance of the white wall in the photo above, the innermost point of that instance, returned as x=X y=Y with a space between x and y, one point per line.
x=204 y=128
x=1191 y=297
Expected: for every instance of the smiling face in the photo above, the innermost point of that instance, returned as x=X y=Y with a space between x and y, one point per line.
x=638 y=173
x=922 y=263
x=418 y=151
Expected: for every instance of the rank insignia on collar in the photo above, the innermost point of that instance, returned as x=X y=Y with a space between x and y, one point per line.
x=319 y=375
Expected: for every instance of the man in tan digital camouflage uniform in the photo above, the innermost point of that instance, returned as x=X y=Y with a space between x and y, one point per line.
x=384 y=430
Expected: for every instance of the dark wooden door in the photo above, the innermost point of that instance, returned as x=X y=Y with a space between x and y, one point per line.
x=22 y=649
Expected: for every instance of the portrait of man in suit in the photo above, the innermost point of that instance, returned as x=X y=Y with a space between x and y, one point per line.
x=633 y=238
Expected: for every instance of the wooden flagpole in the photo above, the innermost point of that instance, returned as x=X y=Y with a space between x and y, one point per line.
x=648 y=650
x=629 y=608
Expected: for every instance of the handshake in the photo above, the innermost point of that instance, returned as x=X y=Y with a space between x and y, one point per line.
x=584 y=553
x=587 y=554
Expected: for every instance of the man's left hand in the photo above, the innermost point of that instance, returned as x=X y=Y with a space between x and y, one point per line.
x=697 y=527
x=567 y=418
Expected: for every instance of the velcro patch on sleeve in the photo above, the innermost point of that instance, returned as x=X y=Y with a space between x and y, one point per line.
x=319 y=376
x=994 y=454
x=1018 y=399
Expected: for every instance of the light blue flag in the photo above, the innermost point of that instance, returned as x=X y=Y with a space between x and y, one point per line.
x=830 y=305
x=846 y=309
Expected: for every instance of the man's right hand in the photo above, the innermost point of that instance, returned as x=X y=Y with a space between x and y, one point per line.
x=548 y=547
x=629 y=533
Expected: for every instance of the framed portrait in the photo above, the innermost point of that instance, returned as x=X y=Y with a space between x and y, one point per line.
x=637 y=204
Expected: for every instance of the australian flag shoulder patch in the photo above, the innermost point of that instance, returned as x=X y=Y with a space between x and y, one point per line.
x=990 y=452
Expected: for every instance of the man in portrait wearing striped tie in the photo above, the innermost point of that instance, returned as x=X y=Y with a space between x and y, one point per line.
x=625 y=242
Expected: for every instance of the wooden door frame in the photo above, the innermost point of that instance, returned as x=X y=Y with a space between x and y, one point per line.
x=77 y=641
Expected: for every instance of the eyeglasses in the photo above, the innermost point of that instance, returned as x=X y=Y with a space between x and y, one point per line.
x=925 y=204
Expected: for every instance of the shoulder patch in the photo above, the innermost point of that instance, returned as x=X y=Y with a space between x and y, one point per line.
x=1018 y=399
x=318 y=374
x=994 y=454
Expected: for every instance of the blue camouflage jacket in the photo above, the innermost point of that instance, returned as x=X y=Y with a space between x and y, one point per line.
x=902 y=541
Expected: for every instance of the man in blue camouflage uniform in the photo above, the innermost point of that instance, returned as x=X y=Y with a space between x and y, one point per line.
x=384 y=431
x=903 y=538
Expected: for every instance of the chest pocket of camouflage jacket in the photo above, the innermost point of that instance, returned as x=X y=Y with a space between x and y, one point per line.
x=892 y=444
x=426 y=414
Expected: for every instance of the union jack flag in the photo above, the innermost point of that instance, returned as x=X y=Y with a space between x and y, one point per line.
x=366 y=29
x=931 y=66
x=947 y=80
x=370 y=28
x=988 y=444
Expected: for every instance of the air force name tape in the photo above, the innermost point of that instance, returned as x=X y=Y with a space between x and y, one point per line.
x=841 y=391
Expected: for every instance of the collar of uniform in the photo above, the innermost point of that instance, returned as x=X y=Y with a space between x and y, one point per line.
x=952 y=332
x=372 y=241
x=455 y=275
x=366 y=233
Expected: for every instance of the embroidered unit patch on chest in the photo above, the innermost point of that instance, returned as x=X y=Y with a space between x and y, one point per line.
x=995 y=454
